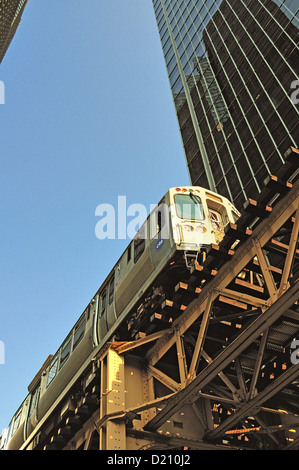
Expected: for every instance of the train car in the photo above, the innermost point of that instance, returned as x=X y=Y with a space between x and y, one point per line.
x=174 y=235
x=3 y=439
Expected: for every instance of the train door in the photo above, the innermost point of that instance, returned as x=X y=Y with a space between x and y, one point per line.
x=217 y=224
x=33 y=410
x=218 y=216
x=102 y=321
x=159 y=233
x=111 y=317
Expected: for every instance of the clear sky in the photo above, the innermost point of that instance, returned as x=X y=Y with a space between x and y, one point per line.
x=88 y=117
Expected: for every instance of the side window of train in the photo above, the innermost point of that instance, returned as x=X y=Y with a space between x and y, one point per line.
x=79 y=332
x=103 y=303
x=16 y=421
x=34 y=400
x=157 y=220
x=52 y=370
x=139 y=245
x=235 y=216
x=160 y=220
x=111 y=290
x=129 y=253
x=65 y=352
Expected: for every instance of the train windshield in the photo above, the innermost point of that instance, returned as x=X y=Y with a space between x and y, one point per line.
x=189 y=207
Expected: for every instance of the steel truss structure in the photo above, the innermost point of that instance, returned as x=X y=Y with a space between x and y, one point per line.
x=215 y=366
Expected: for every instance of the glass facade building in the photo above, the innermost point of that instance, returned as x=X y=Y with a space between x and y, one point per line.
x=233 y=71
x=10 y=16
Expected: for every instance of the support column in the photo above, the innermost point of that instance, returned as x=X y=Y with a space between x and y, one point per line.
x=113 y=433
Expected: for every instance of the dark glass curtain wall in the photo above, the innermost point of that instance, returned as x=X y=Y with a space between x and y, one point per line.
x=233 y=71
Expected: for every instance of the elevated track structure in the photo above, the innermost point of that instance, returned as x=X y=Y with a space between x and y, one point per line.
x=212 y=367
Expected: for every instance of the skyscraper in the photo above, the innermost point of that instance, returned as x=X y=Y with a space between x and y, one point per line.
x=10 y=16
x=233 y=67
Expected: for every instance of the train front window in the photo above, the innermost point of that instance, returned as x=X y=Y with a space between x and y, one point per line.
x=189 y=207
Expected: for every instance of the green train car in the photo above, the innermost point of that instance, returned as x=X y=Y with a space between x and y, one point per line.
x=186 y=220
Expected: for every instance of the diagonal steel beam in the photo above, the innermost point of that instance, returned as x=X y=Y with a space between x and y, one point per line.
x=290 y=255
x=233 y=350
x=258 y=363
x=266 y=271
x=200 y=338
x=291 y=374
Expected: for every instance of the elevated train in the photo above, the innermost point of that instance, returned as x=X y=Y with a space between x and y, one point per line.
x=186 y=220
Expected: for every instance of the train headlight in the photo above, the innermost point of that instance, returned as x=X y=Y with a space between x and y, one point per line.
x=187 y=228
x=200 y=228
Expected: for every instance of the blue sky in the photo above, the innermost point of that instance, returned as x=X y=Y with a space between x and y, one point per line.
x=88 y=116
